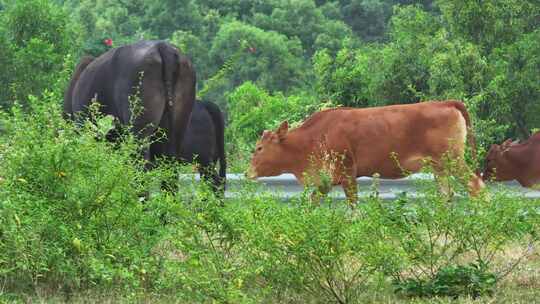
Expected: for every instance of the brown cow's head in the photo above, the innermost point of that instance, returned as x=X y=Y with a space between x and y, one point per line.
x=267 y=159
x=496 y=165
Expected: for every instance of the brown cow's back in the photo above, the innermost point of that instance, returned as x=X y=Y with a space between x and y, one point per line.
x=371 y=136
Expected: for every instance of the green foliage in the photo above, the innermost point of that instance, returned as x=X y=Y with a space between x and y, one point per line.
x=166 y=16
x=5 y=61
x=397 y=72
x=304 y=20
x=305 y=252
x=253 y=110
x=369 y=18
x=67 y=220
x=269 y=59
x=515 y=91
x=36 y=19
x=202 y=256
x=36 y=36
x=454 y=281
x=350 y=78
x=69 y=223
x=104 y=18
x=491 y=23
x=447 y=247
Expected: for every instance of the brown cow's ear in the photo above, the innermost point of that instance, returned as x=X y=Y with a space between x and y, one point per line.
x=507 y=142
x=506 y=145
x=282 y=130
x=494 y=149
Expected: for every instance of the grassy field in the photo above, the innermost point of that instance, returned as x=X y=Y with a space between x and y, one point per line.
x=522 y=286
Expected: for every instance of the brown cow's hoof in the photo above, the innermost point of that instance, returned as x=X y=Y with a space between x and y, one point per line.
x=475 y=186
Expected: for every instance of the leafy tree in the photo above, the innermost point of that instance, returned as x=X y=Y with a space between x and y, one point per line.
x=369 y=18
x=37 y=36
x=253 y=110
x=120 y=20
x=304 y=20
x=490 y=23
x=5 y=62
x=239 y=9
x=397 y=72
x=268 y=58
x=165 y=16
x=514 y=94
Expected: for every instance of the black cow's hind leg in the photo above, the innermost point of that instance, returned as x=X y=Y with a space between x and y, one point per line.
x=210 y=176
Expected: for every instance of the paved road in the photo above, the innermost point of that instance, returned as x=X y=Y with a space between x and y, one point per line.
x=286 y=186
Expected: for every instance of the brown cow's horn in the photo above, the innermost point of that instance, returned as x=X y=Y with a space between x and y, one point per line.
x=266 y=133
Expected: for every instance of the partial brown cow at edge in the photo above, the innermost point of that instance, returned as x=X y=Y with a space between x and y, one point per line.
x=515 y=161
x=390 y=141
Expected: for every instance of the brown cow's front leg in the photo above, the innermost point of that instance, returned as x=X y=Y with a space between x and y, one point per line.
x=351 y=190
x=475 y=184
x=463 y=173
x=318 y=194
x=348 y=181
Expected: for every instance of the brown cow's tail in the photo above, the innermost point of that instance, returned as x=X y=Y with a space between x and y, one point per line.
x=471 y=140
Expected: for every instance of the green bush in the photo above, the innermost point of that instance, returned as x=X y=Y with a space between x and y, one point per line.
x=70 y=211
x=78 y=213
x=452 y=281
x=202 y=258
x=446 y=246
x=302 y=252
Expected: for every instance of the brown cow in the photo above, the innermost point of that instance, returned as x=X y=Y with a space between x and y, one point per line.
x=391 y=141
x=512 y=160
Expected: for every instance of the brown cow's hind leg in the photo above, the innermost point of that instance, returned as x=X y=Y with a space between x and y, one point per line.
x=461 y=171
x=475 y=185
x=474 y=182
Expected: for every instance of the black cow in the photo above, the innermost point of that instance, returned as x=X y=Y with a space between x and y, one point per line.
x=156 y=72
x=204 y=143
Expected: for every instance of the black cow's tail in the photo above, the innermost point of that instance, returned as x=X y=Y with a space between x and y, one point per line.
x=219 y=122
x=170 y=65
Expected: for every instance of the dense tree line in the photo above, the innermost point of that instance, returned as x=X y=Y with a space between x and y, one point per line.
x=346 y=52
